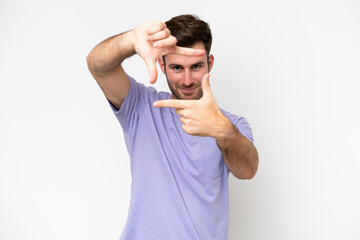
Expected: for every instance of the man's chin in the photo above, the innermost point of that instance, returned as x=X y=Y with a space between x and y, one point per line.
x=187 y=96
x=190 y=97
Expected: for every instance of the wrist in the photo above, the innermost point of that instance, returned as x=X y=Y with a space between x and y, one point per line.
x=228 y=134
x=127 y=42
x=224 y=129
x=131 y=39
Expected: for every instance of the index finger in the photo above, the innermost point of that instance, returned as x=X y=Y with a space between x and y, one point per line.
x=172 y=103
x=189 y=51
x=151 y=65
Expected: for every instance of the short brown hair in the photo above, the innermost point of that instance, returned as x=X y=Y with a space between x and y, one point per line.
x=189 y=29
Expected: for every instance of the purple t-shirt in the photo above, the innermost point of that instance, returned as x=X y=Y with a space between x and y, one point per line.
x=179 y=184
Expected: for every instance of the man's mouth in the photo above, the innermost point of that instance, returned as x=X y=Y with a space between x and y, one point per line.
x=188 y=91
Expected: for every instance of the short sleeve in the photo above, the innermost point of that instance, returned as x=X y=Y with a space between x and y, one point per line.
x=128 y=114
x=241 y=124
x=245 y=129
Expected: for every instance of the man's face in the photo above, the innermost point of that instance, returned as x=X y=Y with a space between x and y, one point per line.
x=184 y=74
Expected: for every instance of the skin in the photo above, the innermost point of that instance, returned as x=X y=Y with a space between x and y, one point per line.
x=203 y=117
x=187 y=72
x=150 y=41
x=184 y=74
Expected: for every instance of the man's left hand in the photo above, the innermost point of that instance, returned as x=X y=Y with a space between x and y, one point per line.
x=200 y=117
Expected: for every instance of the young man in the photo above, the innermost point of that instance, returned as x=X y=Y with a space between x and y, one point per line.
x=182 y=146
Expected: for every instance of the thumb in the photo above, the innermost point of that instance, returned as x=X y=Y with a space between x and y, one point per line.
x=205 y=84
x=151 y=65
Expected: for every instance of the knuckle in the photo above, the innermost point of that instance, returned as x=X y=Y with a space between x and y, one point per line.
x=163 y=34
x=190 y=131
x=188 y=113
x=172 y=39
x=159 y=44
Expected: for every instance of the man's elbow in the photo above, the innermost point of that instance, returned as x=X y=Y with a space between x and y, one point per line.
x=245 y=176
x=247 y=173
x=89 y=62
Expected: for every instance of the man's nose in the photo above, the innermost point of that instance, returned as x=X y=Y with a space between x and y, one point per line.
x=188 y=79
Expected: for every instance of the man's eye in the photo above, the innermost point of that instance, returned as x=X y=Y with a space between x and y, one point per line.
x=177 y=68
x=196 y=66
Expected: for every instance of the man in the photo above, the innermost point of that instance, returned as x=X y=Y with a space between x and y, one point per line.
x=181 y=145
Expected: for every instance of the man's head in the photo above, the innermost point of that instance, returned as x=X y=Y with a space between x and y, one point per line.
x=184 y=74
x=188 y=30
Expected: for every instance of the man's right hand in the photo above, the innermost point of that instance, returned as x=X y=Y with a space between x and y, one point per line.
x=149 y=40
x=153 y=40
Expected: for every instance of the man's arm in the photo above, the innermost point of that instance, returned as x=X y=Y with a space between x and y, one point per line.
x=204 y=118
x=104 y=63
x=240 y=155
x=149 y=40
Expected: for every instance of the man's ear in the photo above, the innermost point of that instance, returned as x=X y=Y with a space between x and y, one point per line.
x=211 y=62
x=161 y=64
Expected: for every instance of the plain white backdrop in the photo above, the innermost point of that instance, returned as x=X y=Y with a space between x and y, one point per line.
x=291 y=68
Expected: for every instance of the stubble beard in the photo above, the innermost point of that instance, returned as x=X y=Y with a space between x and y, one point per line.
x=178 y=95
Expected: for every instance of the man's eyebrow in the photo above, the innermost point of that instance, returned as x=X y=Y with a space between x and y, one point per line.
x=179 y=65
x=174 y=65
x=198 y=63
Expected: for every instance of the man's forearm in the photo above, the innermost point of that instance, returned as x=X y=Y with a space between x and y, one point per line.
x=110 y=53
x=239 y=153
x=204 y=118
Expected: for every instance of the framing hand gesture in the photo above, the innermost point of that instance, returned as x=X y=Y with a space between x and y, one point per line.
x=153 y=40
x=199 y=117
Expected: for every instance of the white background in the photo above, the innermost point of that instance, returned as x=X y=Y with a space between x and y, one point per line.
x=291 y=68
